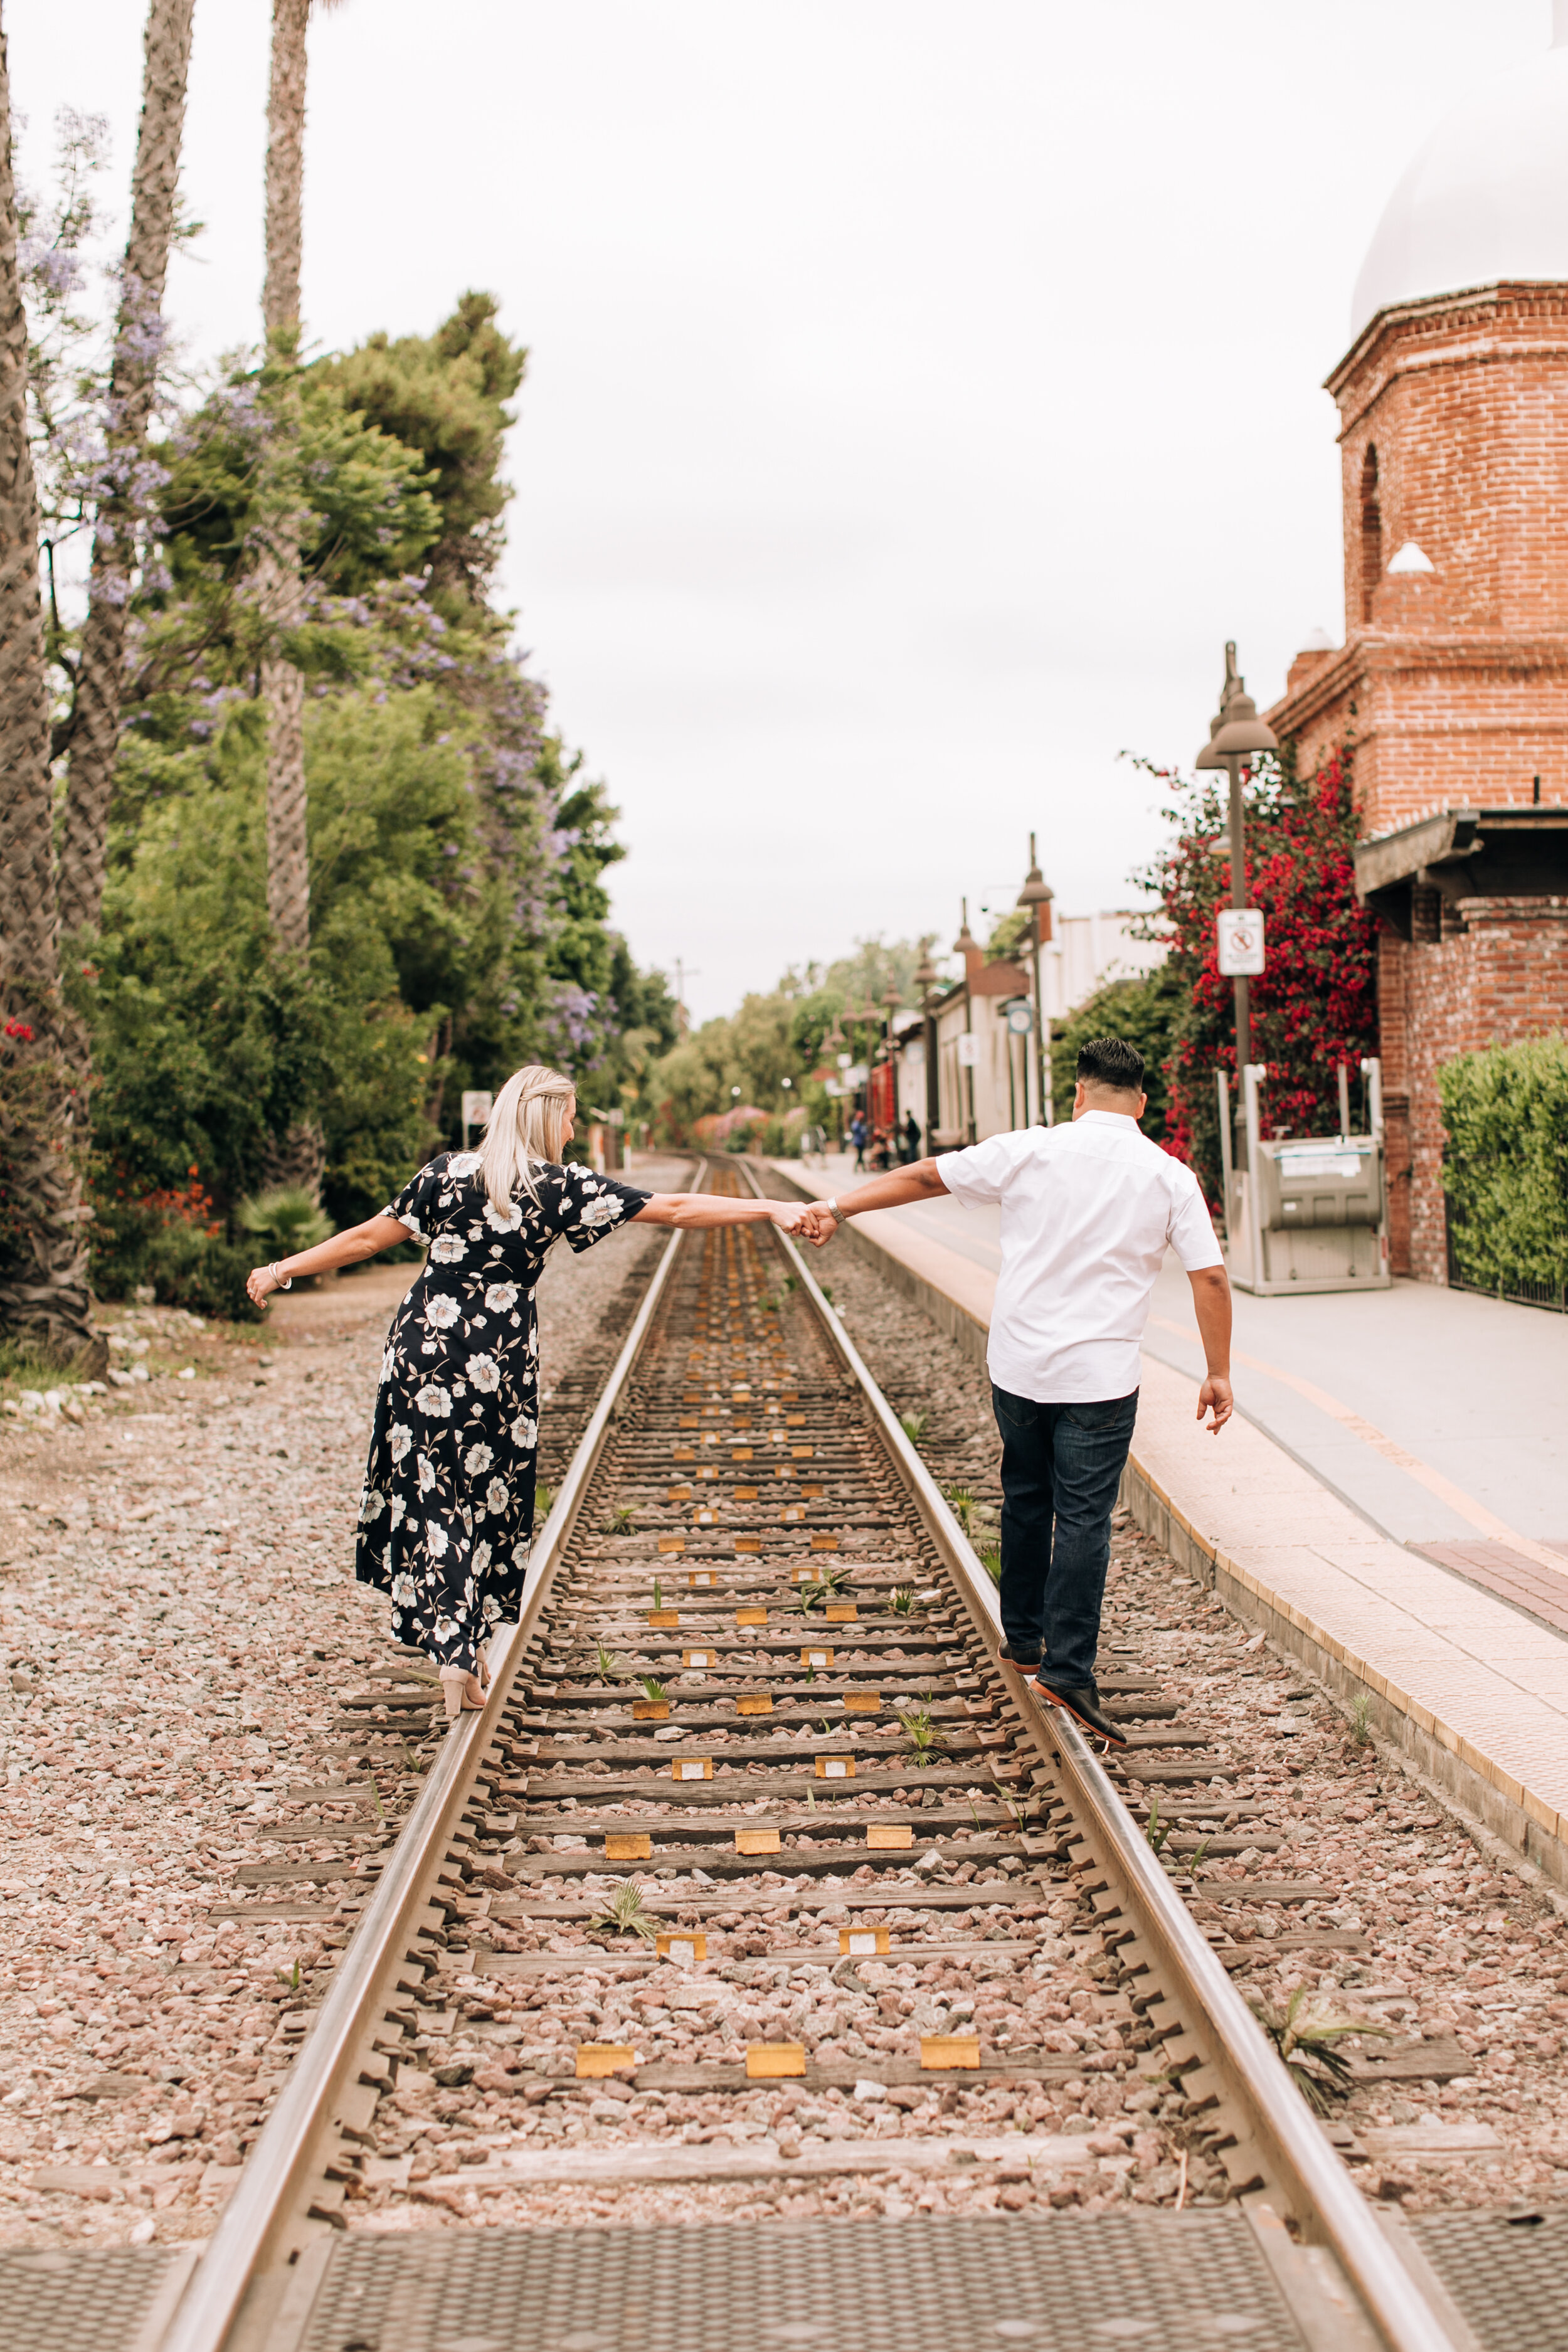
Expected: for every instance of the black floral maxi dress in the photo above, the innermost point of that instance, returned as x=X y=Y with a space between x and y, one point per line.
x=446 y=1515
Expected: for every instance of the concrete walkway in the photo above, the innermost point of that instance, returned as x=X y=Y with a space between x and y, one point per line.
x=1392 y=1503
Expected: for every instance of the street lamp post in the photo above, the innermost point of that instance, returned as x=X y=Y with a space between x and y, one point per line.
x=966 y=945
x=835 y=1044
x=1036 y=895
x=926 y=982
x=1235 y=730
x=891 y=1003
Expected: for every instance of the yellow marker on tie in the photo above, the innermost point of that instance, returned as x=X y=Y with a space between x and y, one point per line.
x=597 y=2059
x=768 y=2062
x=941 y=2051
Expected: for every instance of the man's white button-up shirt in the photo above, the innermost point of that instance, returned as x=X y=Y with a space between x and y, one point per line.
x=1089 y=1210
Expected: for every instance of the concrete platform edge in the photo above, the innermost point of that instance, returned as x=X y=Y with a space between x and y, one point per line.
x=1490 y=1800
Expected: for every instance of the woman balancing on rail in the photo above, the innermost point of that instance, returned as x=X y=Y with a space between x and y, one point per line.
x=447 y=1511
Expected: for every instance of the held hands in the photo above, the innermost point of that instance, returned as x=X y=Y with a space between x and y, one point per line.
x=816 y=1224
x=1215 y=1393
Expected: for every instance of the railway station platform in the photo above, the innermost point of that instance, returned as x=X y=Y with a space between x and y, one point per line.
x=1390 y=1504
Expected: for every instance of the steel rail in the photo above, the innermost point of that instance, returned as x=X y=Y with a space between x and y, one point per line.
x=266 y=2219
x=1321 y=2198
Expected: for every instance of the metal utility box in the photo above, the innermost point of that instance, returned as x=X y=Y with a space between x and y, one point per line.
x=1310 y=1212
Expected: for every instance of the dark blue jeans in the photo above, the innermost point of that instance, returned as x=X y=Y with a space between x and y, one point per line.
x=1061 y=1468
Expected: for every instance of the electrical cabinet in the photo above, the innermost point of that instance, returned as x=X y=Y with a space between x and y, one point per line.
x=1306 y=1213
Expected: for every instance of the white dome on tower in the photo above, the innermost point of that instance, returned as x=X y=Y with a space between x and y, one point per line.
x=1486 y=198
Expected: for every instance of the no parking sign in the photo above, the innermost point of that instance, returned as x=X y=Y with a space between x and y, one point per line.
x=1240 y=934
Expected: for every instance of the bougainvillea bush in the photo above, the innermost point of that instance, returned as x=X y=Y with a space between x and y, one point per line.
x=1316 y=1004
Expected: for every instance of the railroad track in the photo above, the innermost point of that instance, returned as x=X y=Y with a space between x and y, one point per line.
x=750 y=1751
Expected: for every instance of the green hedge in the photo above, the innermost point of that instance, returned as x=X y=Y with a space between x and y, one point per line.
x=133 y=1246
x=1506 y=1164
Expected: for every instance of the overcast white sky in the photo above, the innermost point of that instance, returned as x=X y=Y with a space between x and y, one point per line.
x=919 y=395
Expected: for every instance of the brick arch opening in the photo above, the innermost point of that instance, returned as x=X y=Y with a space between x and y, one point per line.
x=1371 y=531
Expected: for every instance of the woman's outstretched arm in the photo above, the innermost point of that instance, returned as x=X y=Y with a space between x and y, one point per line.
x=700 y=1209
x=350 y=1248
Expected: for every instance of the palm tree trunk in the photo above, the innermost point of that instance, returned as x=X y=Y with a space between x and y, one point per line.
x=43 y=1238
x=282 y=688
x=95 y=718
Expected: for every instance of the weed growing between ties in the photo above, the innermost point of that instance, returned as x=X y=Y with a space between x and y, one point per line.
x=923 y=1736
x=1306 y=2035
x=625 y=1915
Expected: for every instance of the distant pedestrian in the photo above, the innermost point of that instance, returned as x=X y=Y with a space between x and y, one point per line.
x=882 y=1151
x=860 y=1135
x=911 y=1150
x=1088 y=1209
x=446 y=1515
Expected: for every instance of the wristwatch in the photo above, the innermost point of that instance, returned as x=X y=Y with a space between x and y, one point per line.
x=837 y=1213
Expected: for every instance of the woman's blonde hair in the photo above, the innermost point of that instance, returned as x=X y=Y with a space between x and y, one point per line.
x=526 y=1129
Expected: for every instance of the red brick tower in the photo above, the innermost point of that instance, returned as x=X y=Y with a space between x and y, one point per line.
x=1453 y=678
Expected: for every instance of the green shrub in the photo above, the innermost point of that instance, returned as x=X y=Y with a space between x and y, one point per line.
x=169 y=1241
x=203 y=1272
x=1505 y=1167
x=283 y=1221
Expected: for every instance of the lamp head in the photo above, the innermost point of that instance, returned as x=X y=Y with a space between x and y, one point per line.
x=1235 y=727
x=1208 y=757
x=1243 y=729
x=925 y=977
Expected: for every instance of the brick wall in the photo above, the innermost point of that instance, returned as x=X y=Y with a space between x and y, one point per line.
x=1454 y=683
x=1483 y=972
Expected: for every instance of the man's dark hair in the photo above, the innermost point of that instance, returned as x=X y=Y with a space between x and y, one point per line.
x=1111 y=1062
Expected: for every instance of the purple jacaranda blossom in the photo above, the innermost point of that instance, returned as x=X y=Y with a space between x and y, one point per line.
x=57 y=272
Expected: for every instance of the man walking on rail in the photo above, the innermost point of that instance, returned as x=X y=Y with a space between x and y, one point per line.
x=1088 y=1211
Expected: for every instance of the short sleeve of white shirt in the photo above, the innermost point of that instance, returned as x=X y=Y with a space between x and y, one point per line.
x=976 y=1176
x=1191 y=1230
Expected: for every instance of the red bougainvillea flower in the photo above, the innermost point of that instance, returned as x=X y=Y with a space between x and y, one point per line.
x=1316 y=1003
x=19 y=1029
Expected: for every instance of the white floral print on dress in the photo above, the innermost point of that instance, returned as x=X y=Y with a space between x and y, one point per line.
x=457 y=1415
